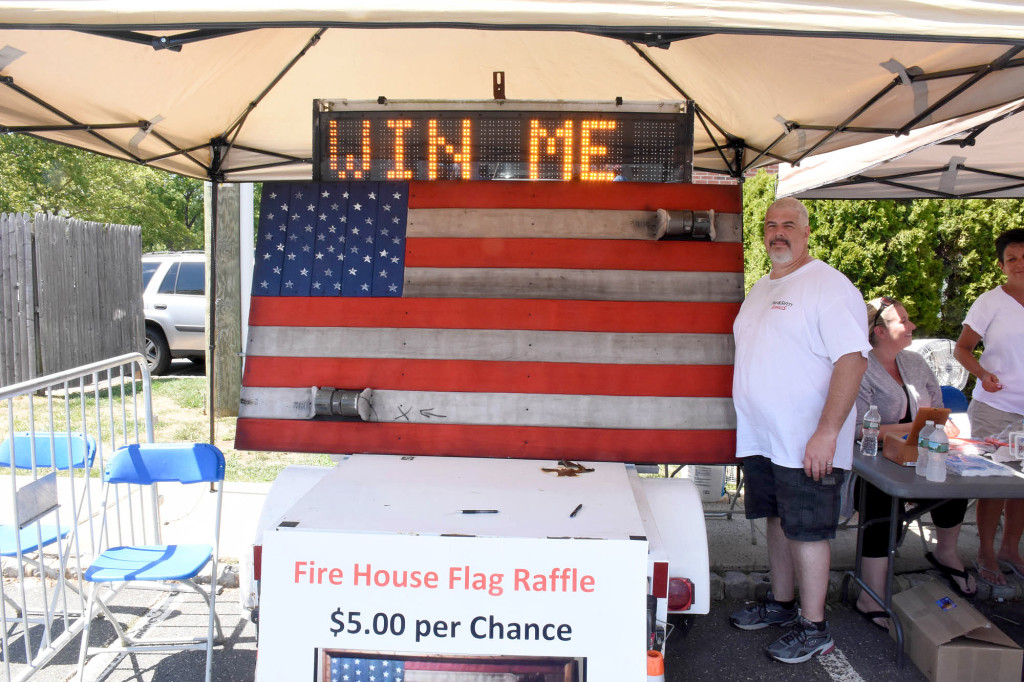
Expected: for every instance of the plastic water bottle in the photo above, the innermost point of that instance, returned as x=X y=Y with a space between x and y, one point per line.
x=922 y=448
x=869 y=432
x=938 y=448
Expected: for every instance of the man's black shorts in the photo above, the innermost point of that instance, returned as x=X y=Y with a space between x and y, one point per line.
x=808 y=509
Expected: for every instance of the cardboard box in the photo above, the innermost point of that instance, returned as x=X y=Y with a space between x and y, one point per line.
x=950 y=641
x=904 y=452
x=708 y=479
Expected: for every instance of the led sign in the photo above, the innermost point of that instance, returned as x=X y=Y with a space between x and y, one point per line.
x=651 y=143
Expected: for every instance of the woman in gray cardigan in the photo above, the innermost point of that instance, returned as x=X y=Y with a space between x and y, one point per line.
x=899 y=383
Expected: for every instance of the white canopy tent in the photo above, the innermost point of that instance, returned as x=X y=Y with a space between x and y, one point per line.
x=967 y=157
x=223 y=91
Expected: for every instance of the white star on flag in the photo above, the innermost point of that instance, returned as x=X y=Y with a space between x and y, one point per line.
x=300 y=256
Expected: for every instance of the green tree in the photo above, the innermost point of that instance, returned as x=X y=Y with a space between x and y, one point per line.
x=966 y=245
x=886 y=248
x=758 y=194
x=41 y=177
x=935 y=255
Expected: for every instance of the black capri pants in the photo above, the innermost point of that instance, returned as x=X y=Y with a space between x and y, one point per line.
x=949 y=514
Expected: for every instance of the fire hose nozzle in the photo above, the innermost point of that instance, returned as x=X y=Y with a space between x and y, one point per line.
x=342 y=402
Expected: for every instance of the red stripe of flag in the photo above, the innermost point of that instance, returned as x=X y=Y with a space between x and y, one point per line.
x=587 y=254
x=667 y=317
x=493 y=667
x=632 y=196
x=521 y=442
x=491 y=377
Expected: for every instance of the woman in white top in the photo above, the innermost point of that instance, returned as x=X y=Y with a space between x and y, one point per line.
x=997 y=318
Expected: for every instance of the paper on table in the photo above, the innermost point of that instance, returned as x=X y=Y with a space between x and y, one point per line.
x=976 y=465
x=1002 y=454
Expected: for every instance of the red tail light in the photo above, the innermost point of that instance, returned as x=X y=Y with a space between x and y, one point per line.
x=659 y=584
x=257 y=561
x=680 y=594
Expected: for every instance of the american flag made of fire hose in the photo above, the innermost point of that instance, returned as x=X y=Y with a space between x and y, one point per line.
x=531 y=320
x=357 y=668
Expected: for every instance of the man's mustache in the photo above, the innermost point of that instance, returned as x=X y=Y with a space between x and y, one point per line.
x=778 y=240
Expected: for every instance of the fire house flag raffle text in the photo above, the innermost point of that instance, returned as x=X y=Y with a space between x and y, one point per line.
x=442 y=595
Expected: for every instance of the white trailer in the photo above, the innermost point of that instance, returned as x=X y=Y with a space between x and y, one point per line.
x=636 y=549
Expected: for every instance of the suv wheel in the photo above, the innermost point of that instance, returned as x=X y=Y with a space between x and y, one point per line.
x=158 y=355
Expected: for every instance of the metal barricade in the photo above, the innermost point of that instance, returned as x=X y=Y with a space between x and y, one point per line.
x=51 y=515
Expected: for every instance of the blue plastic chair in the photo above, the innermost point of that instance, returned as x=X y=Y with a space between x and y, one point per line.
x=62 y=451
x=82 y=453
x=954 y=399
x=147 y=464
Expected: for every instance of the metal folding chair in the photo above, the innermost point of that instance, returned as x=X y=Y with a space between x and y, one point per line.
x=145 y=465
x=26 y=538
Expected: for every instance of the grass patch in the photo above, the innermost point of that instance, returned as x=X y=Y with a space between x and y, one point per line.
x=188 y=393
x=179 y=410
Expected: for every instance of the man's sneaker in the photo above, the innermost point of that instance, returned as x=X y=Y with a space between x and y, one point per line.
x=801 y=643
x=763 y=614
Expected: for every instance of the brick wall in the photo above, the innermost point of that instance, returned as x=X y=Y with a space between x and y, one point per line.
x=706 y=178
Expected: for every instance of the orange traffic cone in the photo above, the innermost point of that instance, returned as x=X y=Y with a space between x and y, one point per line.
x=655 y=667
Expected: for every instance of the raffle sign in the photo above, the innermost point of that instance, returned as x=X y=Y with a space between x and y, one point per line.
x=385 y=596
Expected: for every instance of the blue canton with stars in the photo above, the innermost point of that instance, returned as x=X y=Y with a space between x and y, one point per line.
x=366 y=670
x=331 y=239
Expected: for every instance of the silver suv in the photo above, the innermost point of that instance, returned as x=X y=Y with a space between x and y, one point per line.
x=174 y=299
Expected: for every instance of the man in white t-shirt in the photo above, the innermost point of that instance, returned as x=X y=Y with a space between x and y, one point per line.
x=801 y=348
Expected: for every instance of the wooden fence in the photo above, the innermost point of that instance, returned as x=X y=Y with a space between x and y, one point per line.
x=70 y=294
